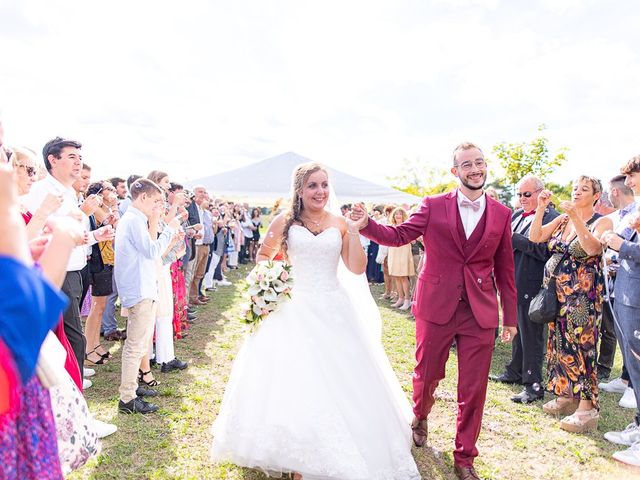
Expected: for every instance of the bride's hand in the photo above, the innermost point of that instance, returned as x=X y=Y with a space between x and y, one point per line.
x=358 y=218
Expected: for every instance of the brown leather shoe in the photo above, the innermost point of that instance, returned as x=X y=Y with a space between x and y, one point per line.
x=196 y=302
x=420 y=431
x=465 y=473
x=203 y=298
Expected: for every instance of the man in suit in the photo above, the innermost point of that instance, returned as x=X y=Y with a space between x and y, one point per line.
x=467 y=237
x=528 y=347
x=627 y=314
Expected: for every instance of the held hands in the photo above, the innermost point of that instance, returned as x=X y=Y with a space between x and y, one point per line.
x=508 y=334
x=358 y=218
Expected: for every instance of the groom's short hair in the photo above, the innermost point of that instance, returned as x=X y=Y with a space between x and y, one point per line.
x=465 y=146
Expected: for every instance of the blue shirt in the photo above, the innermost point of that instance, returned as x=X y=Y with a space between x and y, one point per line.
x=135 y=265
x=207 y=222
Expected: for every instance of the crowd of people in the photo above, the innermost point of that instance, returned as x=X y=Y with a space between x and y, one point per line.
x=75 y=248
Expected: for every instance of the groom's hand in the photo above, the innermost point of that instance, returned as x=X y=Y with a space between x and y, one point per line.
x=508 y=334
x=358 y=216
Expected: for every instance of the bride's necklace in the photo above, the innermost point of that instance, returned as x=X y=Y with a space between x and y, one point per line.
x=317 y=224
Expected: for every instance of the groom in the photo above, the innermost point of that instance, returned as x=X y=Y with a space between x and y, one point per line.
x=468 y=254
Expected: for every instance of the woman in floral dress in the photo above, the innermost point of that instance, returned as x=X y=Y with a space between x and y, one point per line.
x=573 y=240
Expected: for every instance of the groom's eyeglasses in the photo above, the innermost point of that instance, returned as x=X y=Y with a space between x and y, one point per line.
x=480 y=163
x=527 y=194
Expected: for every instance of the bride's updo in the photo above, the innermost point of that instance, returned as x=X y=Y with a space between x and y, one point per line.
x=298 y=179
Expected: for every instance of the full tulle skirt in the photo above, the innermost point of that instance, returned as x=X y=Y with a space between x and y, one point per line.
x=311 y=392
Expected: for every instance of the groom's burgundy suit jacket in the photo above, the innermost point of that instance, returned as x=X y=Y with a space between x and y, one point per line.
x=455 y=268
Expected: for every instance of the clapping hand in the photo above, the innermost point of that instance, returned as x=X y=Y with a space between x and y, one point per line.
x=569 y=209
x=358 y=218
x=91 y=204
x=104 y=233
x=68 y=227
x=612 y=240
x=50 y=204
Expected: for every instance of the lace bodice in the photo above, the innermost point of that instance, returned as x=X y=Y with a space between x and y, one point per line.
x=314 y=258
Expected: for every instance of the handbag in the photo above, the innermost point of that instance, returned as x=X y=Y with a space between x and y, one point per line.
x=544 y=307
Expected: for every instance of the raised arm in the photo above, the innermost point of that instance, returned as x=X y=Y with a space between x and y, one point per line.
x=396 y=236
x=541 y=233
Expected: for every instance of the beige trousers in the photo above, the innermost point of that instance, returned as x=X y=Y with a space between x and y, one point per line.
x=142 y=318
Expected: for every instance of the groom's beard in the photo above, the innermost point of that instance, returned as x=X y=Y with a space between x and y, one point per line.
x=474 y=187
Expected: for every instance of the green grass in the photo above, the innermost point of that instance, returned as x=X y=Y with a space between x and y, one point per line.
x=517 y=442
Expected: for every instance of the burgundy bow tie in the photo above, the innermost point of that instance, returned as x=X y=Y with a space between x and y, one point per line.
x=527 y=214
x=475 y=205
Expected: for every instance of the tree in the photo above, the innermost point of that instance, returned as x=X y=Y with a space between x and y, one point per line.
x=533 y=158
x=418 y=178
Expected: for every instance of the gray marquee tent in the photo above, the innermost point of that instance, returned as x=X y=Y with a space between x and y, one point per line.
x=270 y=179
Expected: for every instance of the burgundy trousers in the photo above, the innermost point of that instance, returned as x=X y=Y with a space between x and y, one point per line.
x=475 y=349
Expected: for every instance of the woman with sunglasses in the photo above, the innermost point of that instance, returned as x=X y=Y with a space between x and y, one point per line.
x=576 y=259
x=24 y=164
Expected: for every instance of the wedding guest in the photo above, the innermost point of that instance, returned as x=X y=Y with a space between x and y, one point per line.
x=374 y=268
x=627 y=313
x=64 y=166
x=29 y=307
x=576 y=257
x=256 y=220
x=121 y=187
x=400 y=261
x=164 y=346
x=527 y=349
x=136 y=278
x=100 y=265
x=622 y=198
x=200 y=252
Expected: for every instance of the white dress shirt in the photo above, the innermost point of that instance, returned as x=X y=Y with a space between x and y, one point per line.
x=468 y=215
x=200 y=241
x=35 y=197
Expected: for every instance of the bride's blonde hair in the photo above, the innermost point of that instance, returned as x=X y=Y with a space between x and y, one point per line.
x=298 y=179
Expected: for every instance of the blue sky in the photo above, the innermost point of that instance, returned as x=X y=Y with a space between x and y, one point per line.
x=198 y=87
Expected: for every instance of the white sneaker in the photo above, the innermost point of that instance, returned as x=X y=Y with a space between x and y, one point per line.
x=86 y=383
x=630 y=456
x=104 y=429
x=88 y=372
x=628 y=436
x=224 y=283
x=628 y=399
x=614 y=386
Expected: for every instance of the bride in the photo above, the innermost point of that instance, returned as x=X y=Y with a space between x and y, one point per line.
x=312 y=392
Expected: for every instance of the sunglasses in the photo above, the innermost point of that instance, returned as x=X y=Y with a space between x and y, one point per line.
x=526 y=194
x=31 y=171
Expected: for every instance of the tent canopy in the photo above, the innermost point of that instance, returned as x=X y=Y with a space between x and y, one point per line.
x=270 y=179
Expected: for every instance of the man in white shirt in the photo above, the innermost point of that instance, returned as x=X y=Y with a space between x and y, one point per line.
x=64 y=164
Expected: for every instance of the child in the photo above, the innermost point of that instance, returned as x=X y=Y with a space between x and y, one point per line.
x=137 y=283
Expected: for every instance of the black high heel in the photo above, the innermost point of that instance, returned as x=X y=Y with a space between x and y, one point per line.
x=152 y=383
x=102 y=360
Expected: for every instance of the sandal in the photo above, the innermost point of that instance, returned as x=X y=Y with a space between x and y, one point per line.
x=141 y=375
x=566 y=407
x=103 y=360
x=581 y=421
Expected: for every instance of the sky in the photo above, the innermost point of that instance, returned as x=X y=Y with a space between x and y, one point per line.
x=198 y=87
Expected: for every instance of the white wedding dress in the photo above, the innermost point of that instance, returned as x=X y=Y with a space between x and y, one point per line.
x=312 y=391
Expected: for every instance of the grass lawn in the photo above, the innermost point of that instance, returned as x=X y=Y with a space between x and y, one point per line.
x=517 y=442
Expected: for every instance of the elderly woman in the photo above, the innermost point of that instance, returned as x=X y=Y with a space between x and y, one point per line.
x=573 y=240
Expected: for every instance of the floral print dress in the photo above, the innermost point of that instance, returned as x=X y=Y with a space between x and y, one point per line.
x=571 y=346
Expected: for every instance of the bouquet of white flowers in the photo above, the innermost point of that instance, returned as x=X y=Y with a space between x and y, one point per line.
x=269 y=284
